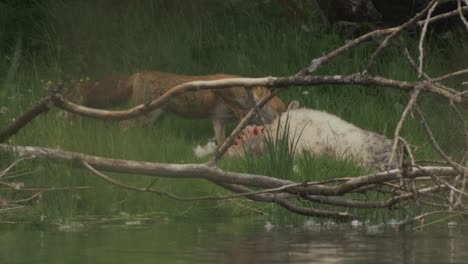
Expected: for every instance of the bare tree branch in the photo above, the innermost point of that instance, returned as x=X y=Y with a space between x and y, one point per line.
x=278 y=82
x=415 y=67
x=433 y=141
x=3 y=172
x=352 y=203
x=449 y=75
x=184 y=199
x=422 y=216
x=460 y=12
x=409 y=106
x=278 y=199
x=41 y=107
x=214 y=174
x=317 y=62
x=421 y=40
x=396 y=32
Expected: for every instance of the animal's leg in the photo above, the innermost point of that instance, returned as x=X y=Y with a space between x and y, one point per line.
x=220 y=134
x=155 y=115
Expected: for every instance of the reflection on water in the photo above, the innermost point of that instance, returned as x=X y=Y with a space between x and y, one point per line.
x=233 y=241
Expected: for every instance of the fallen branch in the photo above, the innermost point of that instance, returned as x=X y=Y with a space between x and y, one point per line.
x=278 y=82
x=460 y=13
x=409 y=106
x=183 y=199
x=41 y=107
x=421 y=40
x=214 y=174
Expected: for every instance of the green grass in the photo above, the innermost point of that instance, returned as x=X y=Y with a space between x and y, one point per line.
x=204 y=37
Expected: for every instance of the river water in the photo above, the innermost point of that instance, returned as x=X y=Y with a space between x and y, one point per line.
x=232 y=241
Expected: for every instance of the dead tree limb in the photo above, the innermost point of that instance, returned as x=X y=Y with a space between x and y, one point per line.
x=214 y=174
x=421 y=39
x=278 y=82
x=409 y=106
x=317 y=62
x=41 y=107
x=280 y=200
x=395 y=33
x=460 y=13
x=460 y=168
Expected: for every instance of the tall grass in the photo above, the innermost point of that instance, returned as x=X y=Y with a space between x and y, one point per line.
x=78 y=39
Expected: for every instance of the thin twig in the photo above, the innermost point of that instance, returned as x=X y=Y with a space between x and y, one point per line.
x=44 y=189
x=438 y=162
x=454 y=214
x=449 y=75
x=415 y=67
x=317 y=62
x=460 y=12
x=409 y=106
x=446 y=15
x=437 y=180
x=394 y=34
x=3 y=172
x=451 y=187
x=422 y=216
x=460 y=168
x=15 y=175
x=421 y=40
x=32 y=197
x=248 y=207
x=464 y=159
x=6 y=210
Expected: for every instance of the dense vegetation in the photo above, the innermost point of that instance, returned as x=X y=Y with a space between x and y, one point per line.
x=42 y=42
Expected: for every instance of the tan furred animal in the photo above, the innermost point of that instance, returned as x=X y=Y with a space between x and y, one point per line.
x=219 y=105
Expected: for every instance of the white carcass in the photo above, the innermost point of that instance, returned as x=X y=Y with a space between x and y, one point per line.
x=319 y=133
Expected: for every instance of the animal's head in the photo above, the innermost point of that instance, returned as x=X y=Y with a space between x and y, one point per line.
x=240 y=102
x=271 y=110
x=252 y=139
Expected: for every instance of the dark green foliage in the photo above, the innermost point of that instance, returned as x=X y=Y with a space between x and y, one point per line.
x=72 y=40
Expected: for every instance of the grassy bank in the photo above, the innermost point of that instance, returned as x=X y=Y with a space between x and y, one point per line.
x=75 y=40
